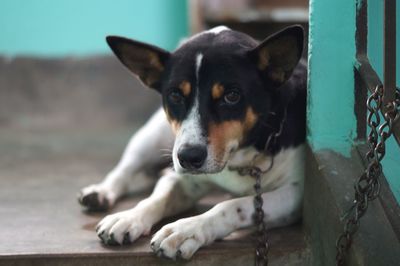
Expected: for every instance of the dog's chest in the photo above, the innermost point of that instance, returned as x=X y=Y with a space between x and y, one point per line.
x=287 y=167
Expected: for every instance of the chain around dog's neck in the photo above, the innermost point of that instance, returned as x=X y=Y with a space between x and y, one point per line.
x=254 y=171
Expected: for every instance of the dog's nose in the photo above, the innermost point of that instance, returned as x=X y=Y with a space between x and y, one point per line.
x=192 y=157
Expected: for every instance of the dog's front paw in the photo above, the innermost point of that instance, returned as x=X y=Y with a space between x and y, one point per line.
x=181 y=239
x=97 y=197
x=122 y=227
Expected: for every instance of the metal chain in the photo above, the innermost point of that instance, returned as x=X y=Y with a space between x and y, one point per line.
x=367 y=187
x=262 y=246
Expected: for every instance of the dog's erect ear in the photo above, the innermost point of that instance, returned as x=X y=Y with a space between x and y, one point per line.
x=144 y=60
x=278 y=55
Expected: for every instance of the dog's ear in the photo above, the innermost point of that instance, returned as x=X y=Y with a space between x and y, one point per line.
x=143 y=60
x=278 y=55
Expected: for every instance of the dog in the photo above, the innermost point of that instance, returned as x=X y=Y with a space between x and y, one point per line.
x=224 y=95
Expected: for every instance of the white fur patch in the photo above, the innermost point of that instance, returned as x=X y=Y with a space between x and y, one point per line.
x=218 y=29
x=190 y=133
x=144 y=147
x=287 y=167
x=199 y=58
x=215 y=30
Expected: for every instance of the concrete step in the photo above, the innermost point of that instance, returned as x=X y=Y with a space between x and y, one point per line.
x=42 y=222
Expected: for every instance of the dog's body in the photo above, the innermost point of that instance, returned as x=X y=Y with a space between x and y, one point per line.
x=224 y=94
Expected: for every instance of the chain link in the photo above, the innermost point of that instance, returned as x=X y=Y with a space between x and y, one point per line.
x=262 y=247
x=367 y=187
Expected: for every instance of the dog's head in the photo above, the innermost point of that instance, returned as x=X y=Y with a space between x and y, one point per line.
x=216 y=88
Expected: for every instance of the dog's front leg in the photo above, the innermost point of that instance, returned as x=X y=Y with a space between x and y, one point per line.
x=183 y=237
x=172 y=195
x=143 y=151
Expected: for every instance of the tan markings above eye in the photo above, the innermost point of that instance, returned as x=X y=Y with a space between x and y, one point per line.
x=185 y=87
x=217 y=91
x=250 y=119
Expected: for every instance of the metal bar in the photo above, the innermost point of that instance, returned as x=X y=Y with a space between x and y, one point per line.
x=368 y=74
x=389 y=51
x=360 y=90
x=371 y=79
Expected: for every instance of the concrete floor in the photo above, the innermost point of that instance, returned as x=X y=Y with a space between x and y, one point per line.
x=53 y=144
x=41 y=174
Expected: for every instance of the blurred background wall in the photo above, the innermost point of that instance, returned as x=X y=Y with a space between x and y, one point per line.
x=56 y=70
x=74 y=27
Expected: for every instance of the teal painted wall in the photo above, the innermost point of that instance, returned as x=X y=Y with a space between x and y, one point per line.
x=391 y=162
x=74 y=27
x=331 y=119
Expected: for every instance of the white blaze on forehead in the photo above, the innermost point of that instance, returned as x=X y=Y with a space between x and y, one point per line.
x=190 y=132
x=215 y=30
x=218 y=29
x=191 y=129
x=199 y=58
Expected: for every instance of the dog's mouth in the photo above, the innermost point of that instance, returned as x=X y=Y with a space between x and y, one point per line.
x=216 y=170
x=179 y=169
x=211 y=163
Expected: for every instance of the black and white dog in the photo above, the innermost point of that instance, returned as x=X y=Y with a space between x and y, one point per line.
x=223 y=95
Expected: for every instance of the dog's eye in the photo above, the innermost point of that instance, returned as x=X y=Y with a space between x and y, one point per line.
x=232 y=97
x=175 y=98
